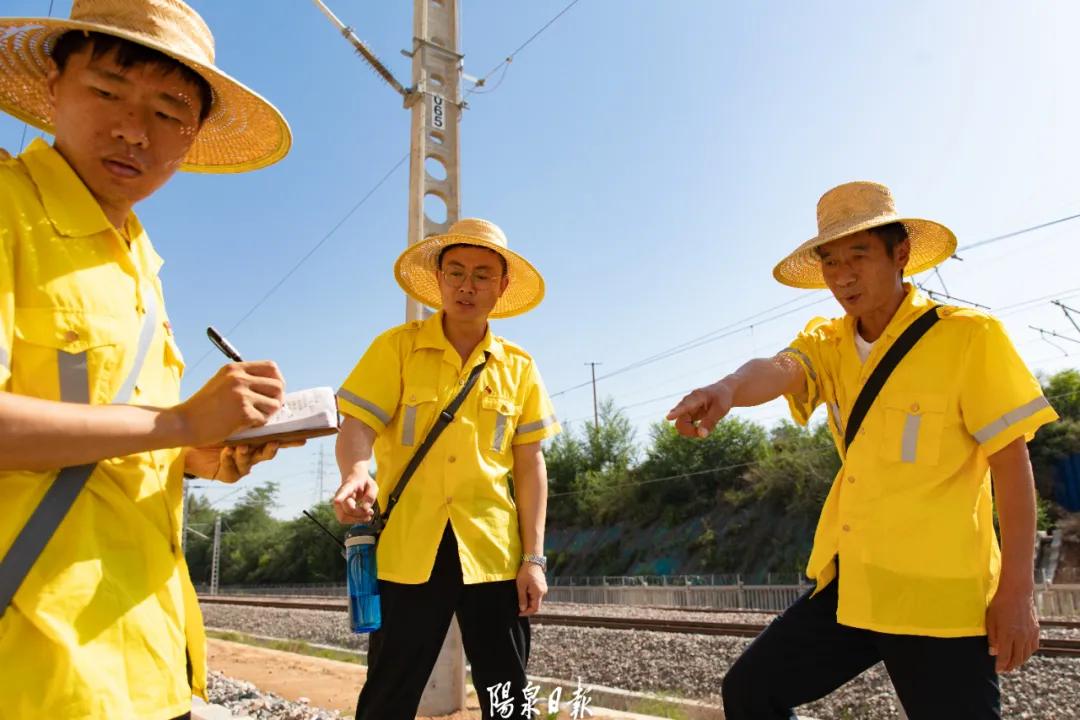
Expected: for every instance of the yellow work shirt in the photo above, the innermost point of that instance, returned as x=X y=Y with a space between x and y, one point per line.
x=99 y=627
x=403 y=381
x=910 y=513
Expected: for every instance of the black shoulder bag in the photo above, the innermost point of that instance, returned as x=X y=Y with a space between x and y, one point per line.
x=445 y=418
x=884 y=369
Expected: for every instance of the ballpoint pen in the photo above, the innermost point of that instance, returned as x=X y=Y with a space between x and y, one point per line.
x=223 y=345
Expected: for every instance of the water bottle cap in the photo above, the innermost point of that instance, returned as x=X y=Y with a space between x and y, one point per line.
x=360 y=540
x=360 y=529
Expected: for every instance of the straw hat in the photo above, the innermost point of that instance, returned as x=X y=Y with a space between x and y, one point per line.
x=415 y=269
x=243 y=131
x=851 y=208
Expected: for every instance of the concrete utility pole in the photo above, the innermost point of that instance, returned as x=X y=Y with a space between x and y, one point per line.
x=434 y=171
x=595 y=407
x=436 y=112
x=217 y=556
x=184 y=522
x=434 y=164
x=321 y=473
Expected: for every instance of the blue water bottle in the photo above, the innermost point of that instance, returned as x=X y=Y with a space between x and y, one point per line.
x=365 y=614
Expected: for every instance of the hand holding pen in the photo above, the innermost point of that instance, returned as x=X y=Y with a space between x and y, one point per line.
x=241 y=395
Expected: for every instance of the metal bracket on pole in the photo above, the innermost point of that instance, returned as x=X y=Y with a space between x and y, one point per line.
x=364 y=51
x=1044 y=333
x=1068 y=313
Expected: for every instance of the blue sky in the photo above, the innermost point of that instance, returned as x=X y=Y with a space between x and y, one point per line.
x=653 y=159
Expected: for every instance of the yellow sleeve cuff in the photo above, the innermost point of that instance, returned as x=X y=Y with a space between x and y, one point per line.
x=1020 y=422
x=351 y=404
x=801 y=409
x=536 y=431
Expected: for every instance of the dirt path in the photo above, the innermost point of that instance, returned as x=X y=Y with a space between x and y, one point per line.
x=328 y=684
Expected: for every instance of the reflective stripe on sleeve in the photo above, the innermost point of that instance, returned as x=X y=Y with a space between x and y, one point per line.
x=534 y=426
x=802 y=356
x=1010 y=418
x=365 y=404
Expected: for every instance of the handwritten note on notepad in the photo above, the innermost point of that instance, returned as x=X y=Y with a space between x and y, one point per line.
x=305 y=414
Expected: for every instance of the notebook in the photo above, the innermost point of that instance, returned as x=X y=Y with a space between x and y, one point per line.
x=305 y=414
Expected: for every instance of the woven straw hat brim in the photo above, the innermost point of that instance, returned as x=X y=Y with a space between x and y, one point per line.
x=416 y=267
x=931 y=244
x=243 y=132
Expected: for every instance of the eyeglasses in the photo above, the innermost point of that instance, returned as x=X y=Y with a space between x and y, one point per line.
x=481 y=279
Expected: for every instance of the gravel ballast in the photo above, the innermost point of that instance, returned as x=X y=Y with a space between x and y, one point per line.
x=681 y=665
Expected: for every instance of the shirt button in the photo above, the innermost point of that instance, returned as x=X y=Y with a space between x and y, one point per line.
x=847 y=528
x=449 y=500
x=452 y=458
x=851 y=479
x=71 y=336
x=412 y=398
x=914 y=407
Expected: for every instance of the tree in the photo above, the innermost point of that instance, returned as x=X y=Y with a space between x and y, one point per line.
x=1063 y=392
x=1055 y=442
x=591 y=467
x=780 y=499
x=683 y=476
x=252 y=539
x=306 y=554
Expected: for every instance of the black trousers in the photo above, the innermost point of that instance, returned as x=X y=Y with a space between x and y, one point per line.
x=804 y=654
x=415 y=619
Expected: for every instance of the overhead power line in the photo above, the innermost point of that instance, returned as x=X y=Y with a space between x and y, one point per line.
x=718 y=334
x=308 y=254
x=337 y=226
x=1015 y=233
x=710 y=337
x=510 y=58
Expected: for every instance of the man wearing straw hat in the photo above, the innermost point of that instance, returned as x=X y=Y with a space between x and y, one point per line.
x=99 y=617
x=463 y=539
x=906 y=565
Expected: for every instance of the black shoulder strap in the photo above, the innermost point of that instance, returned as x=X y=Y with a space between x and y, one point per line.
x=445 y=418
x=884 y=369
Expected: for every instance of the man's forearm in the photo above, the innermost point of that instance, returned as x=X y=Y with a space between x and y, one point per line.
x=39 y=435
x=1014 y=495
x=763 y=379
x=354 y=447
x=530 y=487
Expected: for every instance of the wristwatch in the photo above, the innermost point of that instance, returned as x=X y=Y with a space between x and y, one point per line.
x=538 y=560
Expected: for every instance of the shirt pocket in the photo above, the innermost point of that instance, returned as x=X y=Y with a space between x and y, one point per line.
x=173 y=357
x=68 y=355
x=498 y=419
x=418 y=408
x=914 y=424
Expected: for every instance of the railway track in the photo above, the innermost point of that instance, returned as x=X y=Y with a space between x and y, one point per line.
x=1051 y=647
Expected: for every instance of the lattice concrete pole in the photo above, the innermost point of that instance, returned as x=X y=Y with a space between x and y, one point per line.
x=434 y=168
x=215 y=563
